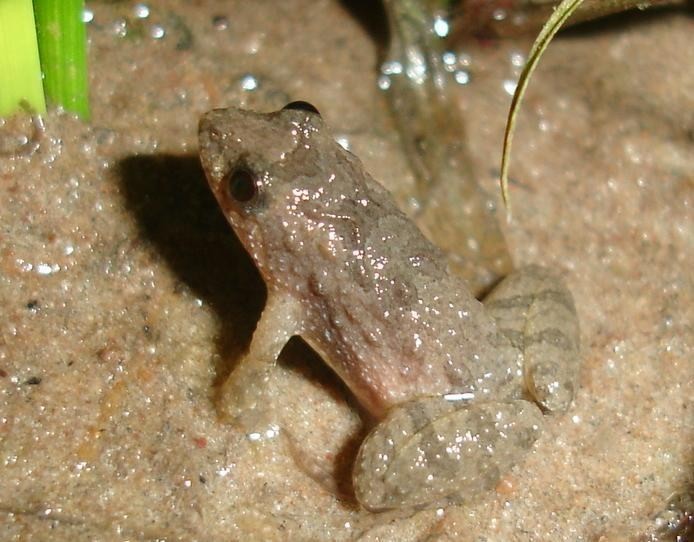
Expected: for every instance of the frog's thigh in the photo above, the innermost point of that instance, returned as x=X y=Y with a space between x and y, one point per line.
x=535 y=310
x=430 y=448
x=248 y=389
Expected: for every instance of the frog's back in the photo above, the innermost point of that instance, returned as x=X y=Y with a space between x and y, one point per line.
x=382 y=308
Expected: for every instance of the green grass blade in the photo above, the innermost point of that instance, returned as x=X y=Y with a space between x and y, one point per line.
x=20 y=71
x=63 y=46
x=562 y=12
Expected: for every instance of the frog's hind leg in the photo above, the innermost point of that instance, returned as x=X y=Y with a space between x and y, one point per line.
x=536 y=312
x=432 y=449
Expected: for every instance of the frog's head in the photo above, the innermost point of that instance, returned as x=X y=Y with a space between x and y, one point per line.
x=270 y=173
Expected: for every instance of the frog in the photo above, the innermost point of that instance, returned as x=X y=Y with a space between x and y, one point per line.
x=457 y=389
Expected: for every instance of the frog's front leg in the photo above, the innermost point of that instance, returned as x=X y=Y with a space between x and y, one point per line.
x=246 y=395
x=433 y=449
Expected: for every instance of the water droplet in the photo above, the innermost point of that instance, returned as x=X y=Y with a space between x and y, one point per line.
x=417 y=66
x=157 y=31
x=462 y=77
x=223 y=471
x=517 y=59
x=249 y=82
x=343 y=141
x=392 y=67
x=509 y=86
x=449 y=58
x=43 y=269
x=441 y=26
x=141 y=10
x=120 y=28
x=384 y=82
x=499 y=14
x=220 y=22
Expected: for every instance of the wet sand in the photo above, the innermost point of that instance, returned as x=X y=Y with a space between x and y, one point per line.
x=126 y=298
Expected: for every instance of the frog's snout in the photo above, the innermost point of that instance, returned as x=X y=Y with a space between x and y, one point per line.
x=215 y=126
x=212 y=137
x=209 y=131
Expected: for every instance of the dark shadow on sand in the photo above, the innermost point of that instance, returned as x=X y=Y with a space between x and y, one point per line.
x=177 y=214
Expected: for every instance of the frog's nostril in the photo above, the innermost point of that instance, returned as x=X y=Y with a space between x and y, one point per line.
x=241 y=185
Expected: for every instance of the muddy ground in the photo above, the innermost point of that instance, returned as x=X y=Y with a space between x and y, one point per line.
x=125 y=297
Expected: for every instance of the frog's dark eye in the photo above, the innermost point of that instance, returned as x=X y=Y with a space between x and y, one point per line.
x=302 y=106
x=241 y=185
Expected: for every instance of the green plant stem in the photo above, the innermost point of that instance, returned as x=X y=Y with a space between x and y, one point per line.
x=562 y=12
x=20 y=71
x=63 y=47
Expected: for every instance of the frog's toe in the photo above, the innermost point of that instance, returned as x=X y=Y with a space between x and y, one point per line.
x=548 y=382
x=246 y=398
x=244 y=416
x=431 y=449
x=536 y=311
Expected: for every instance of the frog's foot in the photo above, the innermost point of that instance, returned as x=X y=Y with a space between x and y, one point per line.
x=431 y=449
x=536 y=312
x=246 y=398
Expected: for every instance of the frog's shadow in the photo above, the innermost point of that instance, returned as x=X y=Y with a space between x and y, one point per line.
x=177 y=213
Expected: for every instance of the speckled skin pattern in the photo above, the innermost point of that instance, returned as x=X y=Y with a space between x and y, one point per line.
x=459 y=388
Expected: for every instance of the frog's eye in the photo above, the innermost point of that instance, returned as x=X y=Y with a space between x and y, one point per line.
x=241 y=185
x=302 y=106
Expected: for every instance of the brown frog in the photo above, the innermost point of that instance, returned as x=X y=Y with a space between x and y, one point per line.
x=458 y=387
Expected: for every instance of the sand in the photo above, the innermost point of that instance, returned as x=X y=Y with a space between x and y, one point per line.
x=125 y=298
